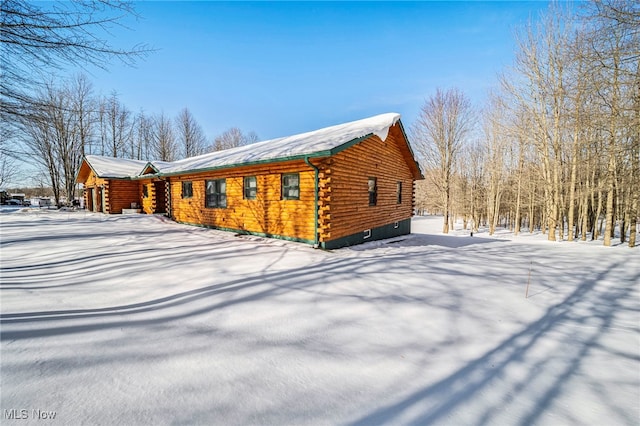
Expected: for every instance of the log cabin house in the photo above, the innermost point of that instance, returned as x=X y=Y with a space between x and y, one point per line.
x=333 y=187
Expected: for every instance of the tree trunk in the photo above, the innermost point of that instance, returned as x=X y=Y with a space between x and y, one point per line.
x=445 y=221
x=572 y=185
x=608 y=227
x=531 y=211
x=633 y=221
x=595 y=232
x=585 y=217
x=516 y=229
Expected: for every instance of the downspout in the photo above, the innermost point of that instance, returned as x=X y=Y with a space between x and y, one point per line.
x=316 y=242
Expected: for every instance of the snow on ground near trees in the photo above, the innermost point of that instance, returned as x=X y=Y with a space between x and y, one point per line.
x=139 y=320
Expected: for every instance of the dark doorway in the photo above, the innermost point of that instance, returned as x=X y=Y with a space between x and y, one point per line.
x=161 y=196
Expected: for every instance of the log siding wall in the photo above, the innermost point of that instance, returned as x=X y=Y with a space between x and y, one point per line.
x=118 y=194
x=148 y=203
x=268 y=214
x=344 y=194
x=121 y=194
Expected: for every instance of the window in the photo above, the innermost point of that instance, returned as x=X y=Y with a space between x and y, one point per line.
x=216 y=193
x=250 y=188
x=145 y=191
x=373 y=191
x=187 y=189
x=291 y=186
x=399 y=192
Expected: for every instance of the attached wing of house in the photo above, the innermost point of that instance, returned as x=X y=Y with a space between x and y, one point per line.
x=109 y=168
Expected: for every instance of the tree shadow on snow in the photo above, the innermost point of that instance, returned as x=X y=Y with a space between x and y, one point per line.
x=587 y=313
x=424 y=240
x=265 y=285
x=578 y=322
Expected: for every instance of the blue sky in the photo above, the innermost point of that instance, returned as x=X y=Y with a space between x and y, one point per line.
x=284 y=68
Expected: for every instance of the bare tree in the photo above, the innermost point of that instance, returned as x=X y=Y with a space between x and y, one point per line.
x=541 y=63
x=83 y=105
x=8 y=169
x=116 y=126
x=39 y=38
x=495 y=153
x=190 y=134
x=562 y=139
x=252 y=137
x=164 y=139
x=142 y=141
x=613 y=51
x=232 y=138
x=40 y=147
x=444 y=123
x=53 y=139
x=474 y=168
x=634 y=178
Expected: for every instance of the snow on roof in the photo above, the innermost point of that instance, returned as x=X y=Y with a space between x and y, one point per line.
x=317 y=142
x=109 y=167
x=160 y=166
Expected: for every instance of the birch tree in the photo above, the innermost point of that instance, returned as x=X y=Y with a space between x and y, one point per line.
x=495 y=151
x=614 y=52
x=440 y=132
x=541 y=60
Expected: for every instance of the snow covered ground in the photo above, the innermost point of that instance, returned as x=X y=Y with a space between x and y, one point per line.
x=139 y=320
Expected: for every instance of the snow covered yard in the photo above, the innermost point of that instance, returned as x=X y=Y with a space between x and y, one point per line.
x=139 y=320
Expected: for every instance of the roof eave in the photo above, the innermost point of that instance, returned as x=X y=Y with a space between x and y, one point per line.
x=84 y=160
x=146 y=166
x=420 y=175
x=349 y=144
x=318 y=154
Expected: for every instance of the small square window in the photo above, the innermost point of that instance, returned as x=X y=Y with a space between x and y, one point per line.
x=216 y=193
x=399 y=192
x=373 y=191
x=187 y=189
x=250 y=188
x=291 y=186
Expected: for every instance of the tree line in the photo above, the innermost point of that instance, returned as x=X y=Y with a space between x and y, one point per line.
x=68 y=122
x=53 y=125
x=557 y=145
